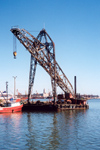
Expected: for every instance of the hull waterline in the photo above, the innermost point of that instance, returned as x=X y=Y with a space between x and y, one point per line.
x=11 y=109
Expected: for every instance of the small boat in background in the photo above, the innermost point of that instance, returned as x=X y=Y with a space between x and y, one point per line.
x=11 y=106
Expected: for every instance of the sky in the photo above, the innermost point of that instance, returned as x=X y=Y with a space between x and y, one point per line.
x=73 y=25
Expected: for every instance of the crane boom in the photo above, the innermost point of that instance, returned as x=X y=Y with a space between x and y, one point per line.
x=44 y=54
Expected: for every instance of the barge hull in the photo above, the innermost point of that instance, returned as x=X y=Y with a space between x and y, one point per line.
x=49 y=107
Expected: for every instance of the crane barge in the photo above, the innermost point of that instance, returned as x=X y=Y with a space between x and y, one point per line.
x=42 y=50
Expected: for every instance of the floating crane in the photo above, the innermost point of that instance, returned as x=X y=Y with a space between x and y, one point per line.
x=42 y=50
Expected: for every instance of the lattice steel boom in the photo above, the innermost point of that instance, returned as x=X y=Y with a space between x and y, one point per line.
x=42 y=49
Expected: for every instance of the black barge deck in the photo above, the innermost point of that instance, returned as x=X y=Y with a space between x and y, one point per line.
x=52 y=107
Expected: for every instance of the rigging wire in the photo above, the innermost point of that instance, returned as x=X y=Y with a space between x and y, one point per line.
x=14 y=47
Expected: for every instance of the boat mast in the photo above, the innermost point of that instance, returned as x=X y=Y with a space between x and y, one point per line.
x=7 y=90
x=14 y=85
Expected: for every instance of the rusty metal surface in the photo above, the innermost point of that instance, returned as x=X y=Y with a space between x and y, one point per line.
x=33 y=65
x=42 y=49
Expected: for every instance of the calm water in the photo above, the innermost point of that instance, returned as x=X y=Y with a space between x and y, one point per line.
x=67 y=130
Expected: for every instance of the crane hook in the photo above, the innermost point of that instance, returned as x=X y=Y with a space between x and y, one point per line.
x=15 y=54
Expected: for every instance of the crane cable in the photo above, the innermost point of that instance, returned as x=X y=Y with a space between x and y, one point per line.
x=14 y=47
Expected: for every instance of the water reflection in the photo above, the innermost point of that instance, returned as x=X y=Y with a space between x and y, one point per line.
x=30 y=135
x=12 y=118
x=54 y=137
x=42 y=131
x=72 y=129
x=52 y=130
x=10 y=128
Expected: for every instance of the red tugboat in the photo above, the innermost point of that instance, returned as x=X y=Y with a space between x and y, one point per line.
x=11 y=107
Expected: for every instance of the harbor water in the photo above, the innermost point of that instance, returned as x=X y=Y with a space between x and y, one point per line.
x=63 y=130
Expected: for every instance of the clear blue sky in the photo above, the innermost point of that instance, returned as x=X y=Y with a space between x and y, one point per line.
x=74 y=26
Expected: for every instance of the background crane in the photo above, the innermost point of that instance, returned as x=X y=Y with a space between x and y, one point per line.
x=42 y=50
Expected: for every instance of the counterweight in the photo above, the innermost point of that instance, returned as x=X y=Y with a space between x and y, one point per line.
x=42 y=50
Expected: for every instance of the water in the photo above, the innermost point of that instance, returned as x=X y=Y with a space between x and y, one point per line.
x=66 y=130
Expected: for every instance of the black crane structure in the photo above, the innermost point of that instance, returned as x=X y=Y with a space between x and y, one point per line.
x=42 y=50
